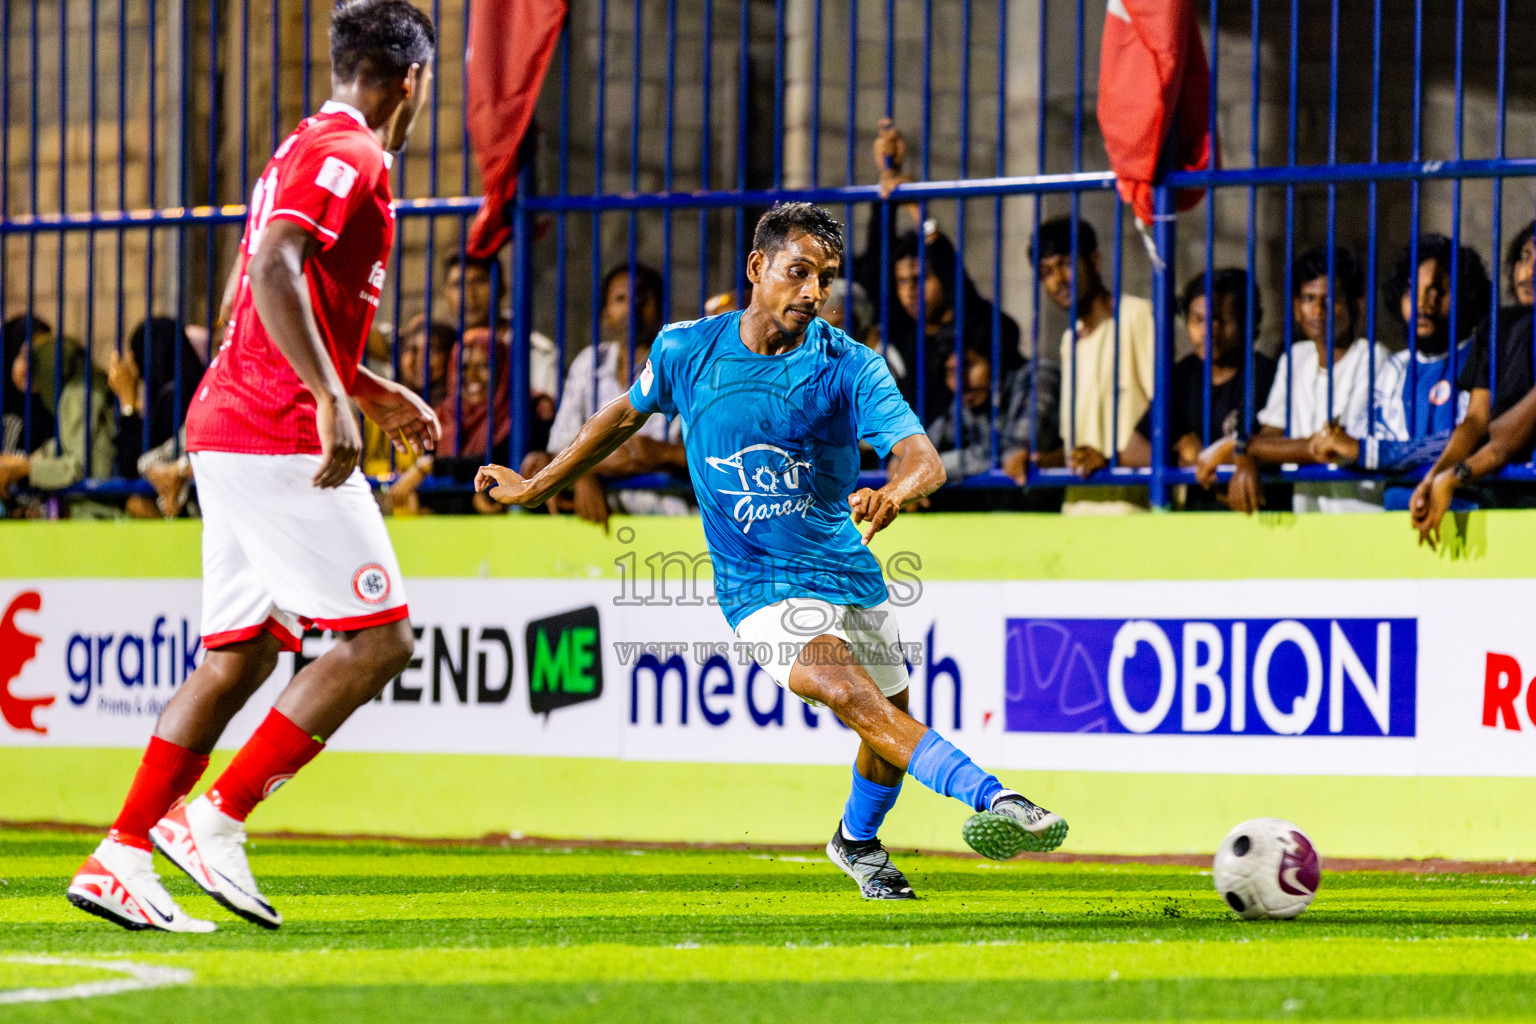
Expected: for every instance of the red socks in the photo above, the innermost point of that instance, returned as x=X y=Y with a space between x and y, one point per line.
x=166 y=774
x=273 y=754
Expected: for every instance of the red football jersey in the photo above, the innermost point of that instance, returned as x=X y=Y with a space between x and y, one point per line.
x=331 y=178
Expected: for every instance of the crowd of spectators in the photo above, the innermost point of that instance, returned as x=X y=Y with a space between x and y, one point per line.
x=1417 y=418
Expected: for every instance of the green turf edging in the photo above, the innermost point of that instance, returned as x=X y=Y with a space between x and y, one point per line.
x=441 y=795
x=979 y=546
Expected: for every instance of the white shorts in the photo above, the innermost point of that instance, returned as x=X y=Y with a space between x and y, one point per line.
x=280 y=554
x=778 y=632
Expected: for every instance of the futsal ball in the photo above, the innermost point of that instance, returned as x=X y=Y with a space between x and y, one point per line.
x=1267 y=868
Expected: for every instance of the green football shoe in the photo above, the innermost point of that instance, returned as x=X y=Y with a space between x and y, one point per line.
x=1013 y=825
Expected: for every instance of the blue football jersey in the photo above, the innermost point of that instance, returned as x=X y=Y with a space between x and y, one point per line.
x=773 y=452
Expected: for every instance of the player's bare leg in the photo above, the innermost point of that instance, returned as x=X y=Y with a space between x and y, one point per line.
x=118 y=881
x=1005 y=822
x=202 y=708
x=206 y=837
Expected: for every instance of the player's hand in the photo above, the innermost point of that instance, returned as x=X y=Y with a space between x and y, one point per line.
x=503 y=485
x=1187 y=449
x=1245 y=491
x=1437 y=501
x=13 y=469
x=341 y=443
x=1332 y=445
x=404 y=416
x=890 y=148
x=876 y=508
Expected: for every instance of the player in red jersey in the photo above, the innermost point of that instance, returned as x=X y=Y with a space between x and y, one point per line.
x=291 y=534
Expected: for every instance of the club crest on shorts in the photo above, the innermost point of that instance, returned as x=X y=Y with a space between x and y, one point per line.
x=371 y=583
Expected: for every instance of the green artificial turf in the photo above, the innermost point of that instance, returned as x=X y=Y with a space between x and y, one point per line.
x=448 y=934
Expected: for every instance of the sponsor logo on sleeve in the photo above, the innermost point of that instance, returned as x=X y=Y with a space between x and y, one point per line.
x=336 y=177
x=647 y=378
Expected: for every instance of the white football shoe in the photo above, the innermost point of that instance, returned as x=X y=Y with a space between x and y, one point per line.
x=209 y=846
x=118 y=883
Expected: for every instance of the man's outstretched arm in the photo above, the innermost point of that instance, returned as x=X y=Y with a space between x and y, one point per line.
x=600 y=436
x=914 y=471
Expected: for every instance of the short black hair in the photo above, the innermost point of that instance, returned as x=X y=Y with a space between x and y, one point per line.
x=785 y=220
x=377 y=40
x=457 y=259
x=647 y=281
x=1313 y=263
x=1054 y=238
x=1472 y=284
x=1228 y=281
x=1512 y=254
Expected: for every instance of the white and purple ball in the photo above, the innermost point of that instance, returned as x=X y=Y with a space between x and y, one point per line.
x=1267 y=868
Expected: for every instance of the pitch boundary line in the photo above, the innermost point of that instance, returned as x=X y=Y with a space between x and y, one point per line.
x=139 y=977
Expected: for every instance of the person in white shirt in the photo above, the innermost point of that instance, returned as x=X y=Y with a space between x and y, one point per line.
x=1102 y=397
x=657 y=448
x=1305 y=398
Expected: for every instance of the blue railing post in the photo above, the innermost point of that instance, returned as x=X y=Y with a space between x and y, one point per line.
x=1164 y=301
x=522 y=314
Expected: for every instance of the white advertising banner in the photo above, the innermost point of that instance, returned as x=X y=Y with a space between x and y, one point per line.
x=1276 y=677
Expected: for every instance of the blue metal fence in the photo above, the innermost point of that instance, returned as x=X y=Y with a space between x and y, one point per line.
x=679 y=65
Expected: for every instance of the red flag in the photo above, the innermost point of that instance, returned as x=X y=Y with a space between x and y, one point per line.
x=510 y=46
x=1153 y=73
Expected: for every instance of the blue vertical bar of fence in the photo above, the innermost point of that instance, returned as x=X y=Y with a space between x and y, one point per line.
x=1372 y=249
x=1068 y=429
x=90 y=235
x=32 y=136
x=778 y=95
x=119 y=306
x=1163 y=301
x=152 y=200
x=1074 y=314
x=1210 y=243
x=1333 y=158
x=1290 y=227
x=850 y=147
x=1456 y=270
x=1001 y=150
x=815 y=155
x=522 y=312
x=957 y=285
x=599 y=166
x=706 y=118
x=245 y=94
x=1252 y=299
x=884 y=210
x=921 y=316
x=62 y=255
x=212 y=300
x=563 y=186
x=1495 y=299
x=275 y=120
x=742 y=86
x=667 y=168
x=634 y=186
x=1415 y=212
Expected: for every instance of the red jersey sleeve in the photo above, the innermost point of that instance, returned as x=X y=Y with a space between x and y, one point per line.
x=326 y=176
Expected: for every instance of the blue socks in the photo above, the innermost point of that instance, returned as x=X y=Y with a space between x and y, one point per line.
x=943 y=768
x=867 y=807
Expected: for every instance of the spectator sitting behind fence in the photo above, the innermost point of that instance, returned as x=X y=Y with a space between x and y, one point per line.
x=658 y=447
x=21 y=405
x=943 y=316
x=467 y=288
x=1417 y=410
x=1292 y=415
x=1221 y=338
x=1095 y=389
x=1017 y=398
x=61 y=462
x=143 y=377
x=426 y=346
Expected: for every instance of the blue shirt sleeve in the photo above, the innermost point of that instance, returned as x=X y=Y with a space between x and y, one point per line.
x=652 y=390
x=880 y=414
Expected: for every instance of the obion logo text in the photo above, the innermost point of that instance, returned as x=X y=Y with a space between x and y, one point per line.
x=1280 y=677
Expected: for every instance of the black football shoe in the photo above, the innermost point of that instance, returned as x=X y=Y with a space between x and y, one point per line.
x=867 y=863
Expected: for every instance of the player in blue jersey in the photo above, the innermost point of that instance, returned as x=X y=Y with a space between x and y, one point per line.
x=774 y=403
